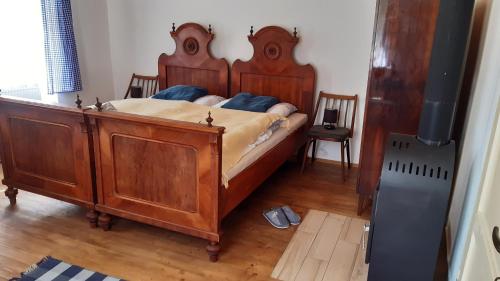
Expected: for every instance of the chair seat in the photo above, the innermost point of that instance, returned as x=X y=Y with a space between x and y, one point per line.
x=318 y=131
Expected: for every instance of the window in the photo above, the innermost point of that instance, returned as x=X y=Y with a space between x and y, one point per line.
x=22 y=54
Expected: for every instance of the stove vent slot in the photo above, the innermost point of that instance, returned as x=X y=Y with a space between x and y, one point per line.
x=410 y=168
x=401 y=145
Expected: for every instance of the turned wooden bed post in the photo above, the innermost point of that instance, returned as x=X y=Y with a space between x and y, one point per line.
x=91 y=214
x=11 y=193
x=92 y=217
x=104 y=221
x=213 y=247
x=213 y=250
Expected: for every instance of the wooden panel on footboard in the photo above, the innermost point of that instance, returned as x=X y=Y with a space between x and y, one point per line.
x=157 y=171
x=45 y=150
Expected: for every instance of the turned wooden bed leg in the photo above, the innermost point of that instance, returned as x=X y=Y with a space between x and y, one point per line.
x=213 y=249
x=104 y=221
x=92 y=218
x=11 y=193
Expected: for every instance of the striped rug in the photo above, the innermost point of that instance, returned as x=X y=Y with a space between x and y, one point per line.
x=50 y=269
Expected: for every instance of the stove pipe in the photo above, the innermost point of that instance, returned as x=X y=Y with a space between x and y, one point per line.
x=445 y=72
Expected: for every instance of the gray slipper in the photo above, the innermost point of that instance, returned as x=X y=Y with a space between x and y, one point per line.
x=277 y=218
x=292 y=217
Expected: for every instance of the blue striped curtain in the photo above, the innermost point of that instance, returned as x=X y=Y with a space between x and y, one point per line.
x=63 y=70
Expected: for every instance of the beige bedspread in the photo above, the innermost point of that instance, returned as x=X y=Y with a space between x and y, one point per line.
x=242 y=127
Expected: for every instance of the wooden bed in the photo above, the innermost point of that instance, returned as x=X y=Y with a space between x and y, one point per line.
x=48 y=149
x=168 y=173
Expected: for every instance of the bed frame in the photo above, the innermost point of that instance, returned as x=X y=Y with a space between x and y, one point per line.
x=168 y=173
x=48 y=149
x=192 y=62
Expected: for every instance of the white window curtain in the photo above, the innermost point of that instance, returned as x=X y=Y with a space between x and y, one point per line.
x=38 y=54
x=22 y=55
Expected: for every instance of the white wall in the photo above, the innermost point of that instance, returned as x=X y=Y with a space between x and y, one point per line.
x=479 y=124
x=90 y=22
x=336 y=38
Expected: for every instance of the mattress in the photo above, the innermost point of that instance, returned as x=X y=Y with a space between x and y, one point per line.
x=296 y=120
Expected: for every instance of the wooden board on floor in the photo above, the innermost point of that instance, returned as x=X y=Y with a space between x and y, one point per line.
x=325 y=247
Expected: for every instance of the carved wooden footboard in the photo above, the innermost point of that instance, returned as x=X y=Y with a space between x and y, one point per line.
x=46 y=150
x=161 y=172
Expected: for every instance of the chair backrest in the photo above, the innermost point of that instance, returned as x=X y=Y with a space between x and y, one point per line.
x=148 y=85
x=346 y=108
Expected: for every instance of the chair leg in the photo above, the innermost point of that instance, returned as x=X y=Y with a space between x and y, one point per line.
x=300 y=154
x=342 y=159
x=304 y=159
x=313 y=158
x=348 y=150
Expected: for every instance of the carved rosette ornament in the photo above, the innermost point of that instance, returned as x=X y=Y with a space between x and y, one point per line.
x=272 y=51
x=191 y=46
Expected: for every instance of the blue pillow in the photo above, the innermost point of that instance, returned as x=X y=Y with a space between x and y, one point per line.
x=249 y=102
x=181 y=92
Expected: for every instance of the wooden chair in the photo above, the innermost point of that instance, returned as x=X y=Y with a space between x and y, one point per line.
x=343 y=131
x=141 y=86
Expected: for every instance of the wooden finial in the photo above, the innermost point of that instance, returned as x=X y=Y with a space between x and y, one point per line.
x=209 y=119
x=98 y=104
x=251 y=30
x=295 y=32
x=173 y=27
x=210 y=28
x=78 y=101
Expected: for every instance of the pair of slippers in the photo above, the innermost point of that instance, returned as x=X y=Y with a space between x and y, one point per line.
x=282 y=217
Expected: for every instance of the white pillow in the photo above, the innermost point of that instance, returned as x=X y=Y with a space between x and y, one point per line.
x=220 y=104
x=283 y=109
x=209 y=100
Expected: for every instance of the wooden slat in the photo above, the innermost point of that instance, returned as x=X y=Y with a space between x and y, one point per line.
x=360 y=271
x=296 y=251
x=342 y=261
x=355 y=231
x=325 y=241
x=315 y=264
x=312 y=221
x=294 y=255
x=312 y=269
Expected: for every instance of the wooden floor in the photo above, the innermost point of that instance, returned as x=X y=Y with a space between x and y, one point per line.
x=39 y=226
x=326 y=246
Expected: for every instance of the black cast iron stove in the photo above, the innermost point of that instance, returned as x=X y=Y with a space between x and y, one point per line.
x=411 y=201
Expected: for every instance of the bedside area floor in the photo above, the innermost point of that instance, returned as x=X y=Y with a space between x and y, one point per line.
x=38 y=226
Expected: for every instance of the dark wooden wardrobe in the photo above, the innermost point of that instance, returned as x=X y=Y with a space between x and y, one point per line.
x=402 y=45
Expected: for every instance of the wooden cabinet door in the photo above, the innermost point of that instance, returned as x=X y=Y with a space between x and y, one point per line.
x=402 y=46
x=379 y=120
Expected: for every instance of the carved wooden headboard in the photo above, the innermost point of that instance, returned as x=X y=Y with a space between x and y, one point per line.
x=192 y=63
x=273 y=71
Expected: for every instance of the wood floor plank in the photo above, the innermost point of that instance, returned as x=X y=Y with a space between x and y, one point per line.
x=355 y=231
x=360 y=271
x=294 y=256
x=327 y=237
x=341 y=264
x=312 y=270
x=313 y=221
x=317 y=259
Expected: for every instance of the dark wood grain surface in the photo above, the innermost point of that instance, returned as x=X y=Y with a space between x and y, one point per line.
x=192 y=62
x=273 y=71
x=402 y=45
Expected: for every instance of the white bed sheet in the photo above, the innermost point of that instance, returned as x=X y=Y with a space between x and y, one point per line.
x=296 y=120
